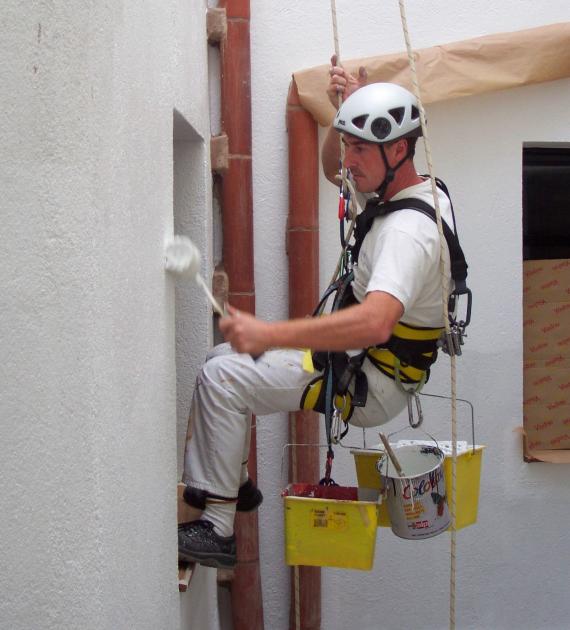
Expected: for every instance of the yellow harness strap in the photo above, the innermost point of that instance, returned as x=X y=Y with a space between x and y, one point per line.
x=390 y=365
x=313 y=391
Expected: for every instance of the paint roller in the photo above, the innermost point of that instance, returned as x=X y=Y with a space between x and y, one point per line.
x=182 y=258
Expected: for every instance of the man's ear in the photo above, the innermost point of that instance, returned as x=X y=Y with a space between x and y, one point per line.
x=402 y=149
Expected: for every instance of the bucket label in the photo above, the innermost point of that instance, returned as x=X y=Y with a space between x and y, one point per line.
x=333 y=520
x=417 y=503
x=413 y=511
x=429 y=483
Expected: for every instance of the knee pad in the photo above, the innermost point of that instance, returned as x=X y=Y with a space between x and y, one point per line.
x=198 y=498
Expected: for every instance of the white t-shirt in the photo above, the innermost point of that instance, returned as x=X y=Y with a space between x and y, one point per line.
x=400 y=255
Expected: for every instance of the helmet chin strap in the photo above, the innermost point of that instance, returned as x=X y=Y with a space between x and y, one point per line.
x=390 y=172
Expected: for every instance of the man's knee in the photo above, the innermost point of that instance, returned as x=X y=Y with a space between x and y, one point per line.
x=221 y=349
x=216 y=371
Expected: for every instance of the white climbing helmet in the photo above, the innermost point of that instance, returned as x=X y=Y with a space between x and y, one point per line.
x=380 y=113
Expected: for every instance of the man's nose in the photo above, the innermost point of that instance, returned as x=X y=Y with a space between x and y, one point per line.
x=348 y=159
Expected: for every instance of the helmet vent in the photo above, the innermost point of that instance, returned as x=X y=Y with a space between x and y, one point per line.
x=397 y=114
x=360 y=121
x=415 y=113
x=381 y=128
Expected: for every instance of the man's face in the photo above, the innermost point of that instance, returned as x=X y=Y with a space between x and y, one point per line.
x=365 y=162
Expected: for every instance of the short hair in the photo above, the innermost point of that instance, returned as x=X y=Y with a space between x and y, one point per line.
x=411 y=142
x=412 y=146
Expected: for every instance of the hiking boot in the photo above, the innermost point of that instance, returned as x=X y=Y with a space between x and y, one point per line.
x=249 y=497
x=198 y=542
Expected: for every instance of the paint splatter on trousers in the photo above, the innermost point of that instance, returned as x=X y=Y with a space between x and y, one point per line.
x=231 y=387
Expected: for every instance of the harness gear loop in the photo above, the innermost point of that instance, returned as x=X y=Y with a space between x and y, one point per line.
x=398 y=378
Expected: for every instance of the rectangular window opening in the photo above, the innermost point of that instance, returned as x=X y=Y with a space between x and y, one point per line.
x=546 y=301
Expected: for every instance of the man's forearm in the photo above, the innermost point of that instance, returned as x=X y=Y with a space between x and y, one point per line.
x=354 y=327
x=330 y=155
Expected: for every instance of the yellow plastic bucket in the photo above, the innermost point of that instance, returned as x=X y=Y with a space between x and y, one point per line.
x=468 y=482
x=469 y=461
x=326 y=526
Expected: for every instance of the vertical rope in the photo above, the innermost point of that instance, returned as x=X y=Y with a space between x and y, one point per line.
x=296 y=580
x=297 y=598
x=335 y=30
x=445 y=297
x=337 y=54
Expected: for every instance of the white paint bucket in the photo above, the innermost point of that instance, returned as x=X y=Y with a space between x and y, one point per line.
x=416 y=501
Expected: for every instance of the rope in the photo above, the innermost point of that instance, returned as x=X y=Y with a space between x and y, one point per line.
x=297 y=598
x=445 y=297
x=343 y=175
x=294 y=477
x=444 y=278
x=335 y=32
x=356 y=210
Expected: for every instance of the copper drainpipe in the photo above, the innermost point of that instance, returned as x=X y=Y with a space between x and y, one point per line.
x=303 y=251
x=237 y=256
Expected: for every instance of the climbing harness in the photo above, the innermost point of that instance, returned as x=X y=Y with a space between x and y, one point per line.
x=452 y=340
x=411 y=350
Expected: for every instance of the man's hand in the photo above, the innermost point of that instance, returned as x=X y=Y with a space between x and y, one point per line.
x=343 y=83
x=246 y=333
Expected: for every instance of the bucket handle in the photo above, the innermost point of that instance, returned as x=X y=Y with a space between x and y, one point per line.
x=464 y=401
x=430 y=436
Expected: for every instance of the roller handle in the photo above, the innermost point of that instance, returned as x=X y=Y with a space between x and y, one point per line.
x=391 y=454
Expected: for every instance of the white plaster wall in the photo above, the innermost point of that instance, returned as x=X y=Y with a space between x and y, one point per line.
x=88 y=372
x=88 y=366
x=513 y=565
x=193 y=217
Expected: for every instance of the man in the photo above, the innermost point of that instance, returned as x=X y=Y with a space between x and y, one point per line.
x=397 y=279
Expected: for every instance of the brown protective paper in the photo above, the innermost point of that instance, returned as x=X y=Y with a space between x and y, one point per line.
x=546 y=370
x=542 y=455
x=473 y=66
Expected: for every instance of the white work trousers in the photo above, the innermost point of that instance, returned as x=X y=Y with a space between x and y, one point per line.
x=231 y=387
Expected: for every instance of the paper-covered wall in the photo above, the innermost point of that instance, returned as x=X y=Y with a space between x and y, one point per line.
x=464 y=68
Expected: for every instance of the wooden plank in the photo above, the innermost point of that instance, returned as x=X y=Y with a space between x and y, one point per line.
x=185 y=573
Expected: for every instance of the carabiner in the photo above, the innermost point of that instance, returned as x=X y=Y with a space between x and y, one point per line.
x=420 y=419
x=336 y=421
